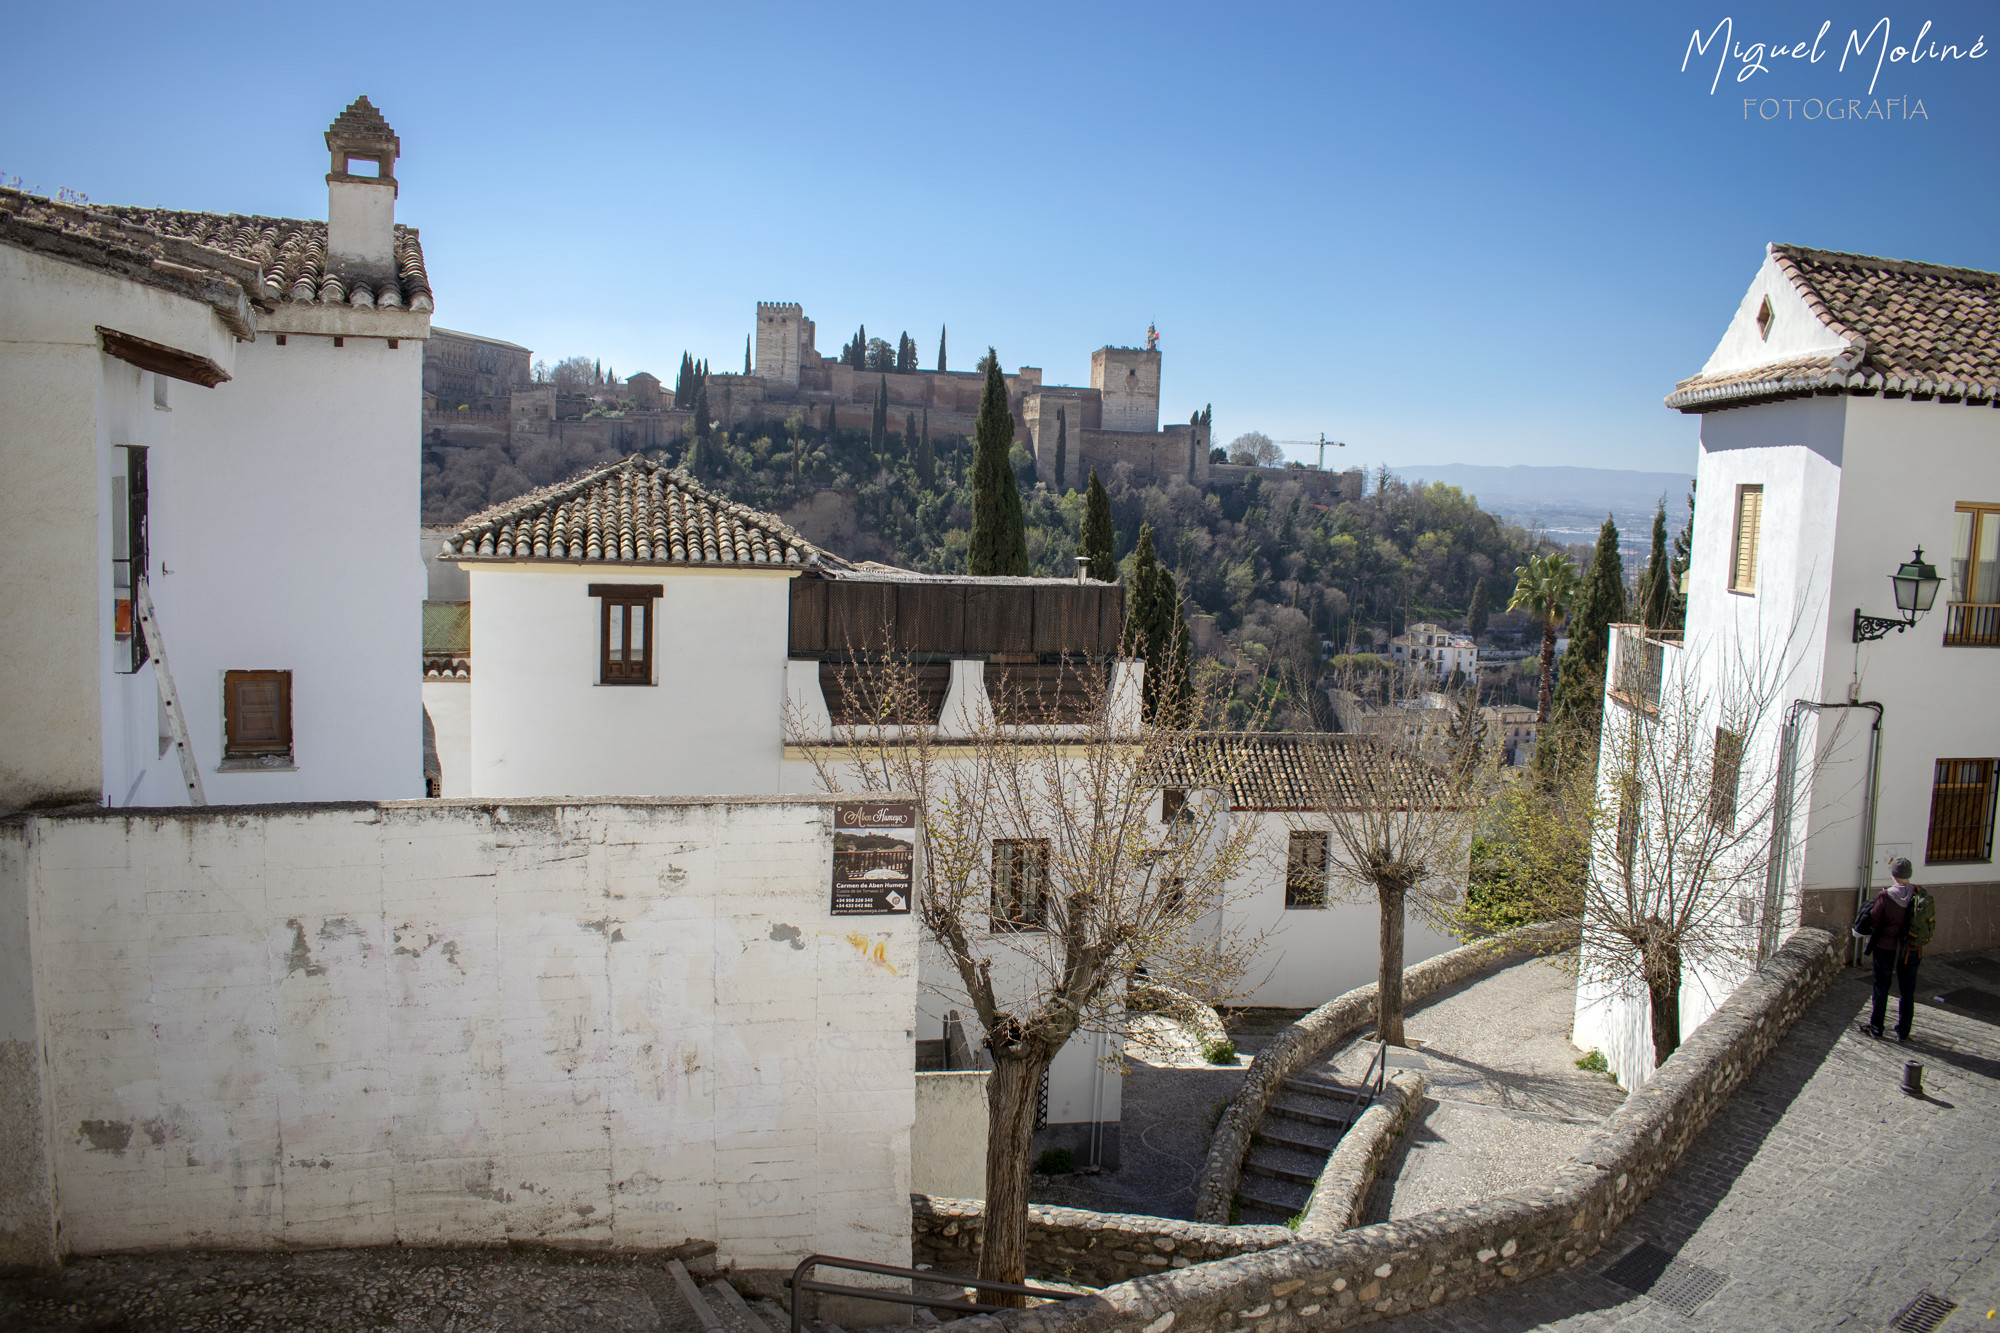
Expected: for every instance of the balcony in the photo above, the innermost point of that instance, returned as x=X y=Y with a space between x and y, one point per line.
x=1972 y=625
x=1638 y=665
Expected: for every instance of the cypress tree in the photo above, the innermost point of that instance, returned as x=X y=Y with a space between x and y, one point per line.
x=1141 y=619
x=701 y=408
x=1579 y=697
x=910 y=436
x=832 y=420
x=1169 y=682
x=1062 y=446
x=999 y=542
x=878 y=425
x=926 y=460
x=940 y=349
x=1683 y=548
x=746 y=355
x=1656 y=594
x=1097 y=534
x=1475 y=616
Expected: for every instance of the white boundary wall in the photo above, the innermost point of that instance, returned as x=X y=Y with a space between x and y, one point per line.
x=614 y=1023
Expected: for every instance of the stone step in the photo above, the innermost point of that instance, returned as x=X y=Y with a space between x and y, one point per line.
x=1280 y=1200
x=1274 y=1163
x=1311 y=1110
x=736 y=1311
x=1299 y=1135
x=691 y=1296
x=1313 y=1087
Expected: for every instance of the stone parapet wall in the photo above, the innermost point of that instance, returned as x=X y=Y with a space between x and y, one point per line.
x=1074 y=1245
x=1342 y=1192
x=1309 y=1039
x=1451 y=1253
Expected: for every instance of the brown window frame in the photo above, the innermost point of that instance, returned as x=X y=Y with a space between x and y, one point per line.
x=233 y=745
x=1012 y=857
x=1305 y=884
x=1963 y=793
x=623 y=671
x=1968 y=623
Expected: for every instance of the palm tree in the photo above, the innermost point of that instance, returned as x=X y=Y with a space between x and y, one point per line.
x=1548 y=586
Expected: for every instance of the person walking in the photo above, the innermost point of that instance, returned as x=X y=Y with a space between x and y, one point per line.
x=1898 y=923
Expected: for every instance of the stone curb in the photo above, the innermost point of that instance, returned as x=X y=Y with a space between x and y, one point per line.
x=1448 y=1254
x=1309 y=1039
x=1342 y=1191
x=1077 y=1245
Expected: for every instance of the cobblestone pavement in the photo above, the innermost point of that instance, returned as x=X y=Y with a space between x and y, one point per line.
x=1506 y=1102
x=1820 y=1195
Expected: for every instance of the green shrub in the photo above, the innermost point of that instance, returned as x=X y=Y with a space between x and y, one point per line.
x=1055 y=1162
x=1593 y=1063
x=1221 y=1052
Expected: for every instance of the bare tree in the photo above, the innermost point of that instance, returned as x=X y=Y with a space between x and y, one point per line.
x=1256 y=448
x=1396 y=803
x=1049 y=877
x=1687 y=784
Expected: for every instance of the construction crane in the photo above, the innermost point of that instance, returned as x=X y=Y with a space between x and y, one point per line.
x=1323 y=443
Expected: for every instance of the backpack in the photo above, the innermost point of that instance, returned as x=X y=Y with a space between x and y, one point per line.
x=1921 y=928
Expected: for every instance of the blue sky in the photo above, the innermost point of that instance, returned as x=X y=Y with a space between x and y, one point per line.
x=1442 y=233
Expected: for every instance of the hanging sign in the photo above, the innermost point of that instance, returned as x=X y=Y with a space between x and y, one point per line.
x=874 y=858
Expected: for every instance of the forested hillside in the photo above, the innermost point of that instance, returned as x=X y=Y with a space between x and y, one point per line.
x=1277 y=572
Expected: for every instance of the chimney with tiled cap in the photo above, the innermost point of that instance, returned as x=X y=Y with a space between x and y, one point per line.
x=361 y=208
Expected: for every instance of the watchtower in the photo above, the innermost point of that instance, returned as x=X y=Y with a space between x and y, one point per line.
x=1129 y=380
x=783 y=336
x=361 y=205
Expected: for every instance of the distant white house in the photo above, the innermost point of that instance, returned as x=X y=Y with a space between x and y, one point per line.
x=1436 y=650
x=223 y=407
x=1847 y=419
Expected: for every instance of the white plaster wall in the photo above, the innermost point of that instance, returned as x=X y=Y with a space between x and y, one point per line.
x=1311 y=955
x=948 y=1139
x=1795 y=331
x=712 y=722
x=449 y=702
x=623 y=1023
x=281 y=541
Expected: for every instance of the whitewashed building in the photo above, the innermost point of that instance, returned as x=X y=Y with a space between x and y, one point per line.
x=1434 y=649
x=1847 y=420
x=225 y=408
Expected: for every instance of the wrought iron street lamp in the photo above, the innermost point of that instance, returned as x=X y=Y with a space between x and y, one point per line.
x=1916 y=585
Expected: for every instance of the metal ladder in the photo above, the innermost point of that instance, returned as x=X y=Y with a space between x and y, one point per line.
x=170 y=700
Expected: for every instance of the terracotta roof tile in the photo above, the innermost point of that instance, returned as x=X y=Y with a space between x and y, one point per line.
x=634 y=512
x=1911 y=328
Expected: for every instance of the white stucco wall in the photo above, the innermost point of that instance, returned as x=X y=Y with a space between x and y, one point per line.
x=625 y=1023
x=948 y=1139
x=713 y=721
x=449 y=702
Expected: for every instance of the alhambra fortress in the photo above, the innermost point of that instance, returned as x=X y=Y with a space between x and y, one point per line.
x=480 y=390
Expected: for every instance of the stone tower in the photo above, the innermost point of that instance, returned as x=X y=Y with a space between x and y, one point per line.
x=361 y=206
x=784 y=336
x=1129 y=379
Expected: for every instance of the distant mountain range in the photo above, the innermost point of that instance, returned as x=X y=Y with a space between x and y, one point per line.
x=1568 y=503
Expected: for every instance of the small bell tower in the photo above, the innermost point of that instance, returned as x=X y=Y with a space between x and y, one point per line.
x=361 y=205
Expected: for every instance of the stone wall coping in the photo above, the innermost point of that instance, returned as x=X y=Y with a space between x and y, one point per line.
x=1446 y=1254
x=1342 y=1192
x=1308 y=1040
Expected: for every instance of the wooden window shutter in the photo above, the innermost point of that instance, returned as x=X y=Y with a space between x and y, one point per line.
x=1749 y=521
x=256 y=714
x=625 y=632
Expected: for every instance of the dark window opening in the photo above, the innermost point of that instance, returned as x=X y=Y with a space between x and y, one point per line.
x=129 y=555
x=1962 y=798
x=625 y=632
x=1020 y=882
x=257 y=715
x=1305 y=869
x=1725 y=778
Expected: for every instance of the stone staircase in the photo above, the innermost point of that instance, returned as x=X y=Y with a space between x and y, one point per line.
x=687 y=1306
x=1289 y=1150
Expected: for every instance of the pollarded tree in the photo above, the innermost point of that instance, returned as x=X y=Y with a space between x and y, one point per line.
x=1098 y=535
x=1049 y=880
x=999 y=541
x=1546 y=587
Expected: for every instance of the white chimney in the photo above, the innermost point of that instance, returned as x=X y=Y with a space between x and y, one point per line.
x=361 y=206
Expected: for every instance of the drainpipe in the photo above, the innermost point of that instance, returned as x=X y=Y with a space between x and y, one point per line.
x=1781 y=816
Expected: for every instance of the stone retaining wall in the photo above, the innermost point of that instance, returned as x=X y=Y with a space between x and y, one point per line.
x=1342 y=1191
x=1074 y=1245
x=1450 y=1253
x=1311 y=1037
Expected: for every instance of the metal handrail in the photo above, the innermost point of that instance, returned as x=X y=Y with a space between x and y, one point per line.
x=1378 y=1070
x=798 y=1282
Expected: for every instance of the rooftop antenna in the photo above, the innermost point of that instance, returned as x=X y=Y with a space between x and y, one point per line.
x=1323 y=443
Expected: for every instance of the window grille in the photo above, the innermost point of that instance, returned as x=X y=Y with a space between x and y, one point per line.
x=1962 y=794
x=1972 y=615
x=1305 y=869
x=1725 y=778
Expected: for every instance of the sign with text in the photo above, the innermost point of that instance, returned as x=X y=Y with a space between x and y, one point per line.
x=874 y=858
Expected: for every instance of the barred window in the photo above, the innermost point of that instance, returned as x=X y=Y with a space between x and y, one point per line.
x=1020 y=881
x=1962 y=795
x=1725 y=778
x=1305 y=869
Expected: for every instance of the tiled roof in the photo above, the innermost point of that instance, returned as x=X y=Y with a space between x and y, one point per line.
x=1300 y=771
x=635 y=512
x=270 y=260
x=1911 y=328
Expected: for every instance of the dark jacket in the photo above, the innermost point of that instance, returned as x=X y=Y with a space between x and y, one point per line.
x=1892 y=927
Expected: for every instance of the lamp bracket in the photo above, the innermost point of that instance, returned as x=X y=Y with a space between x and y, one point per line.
x=1868 y=628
